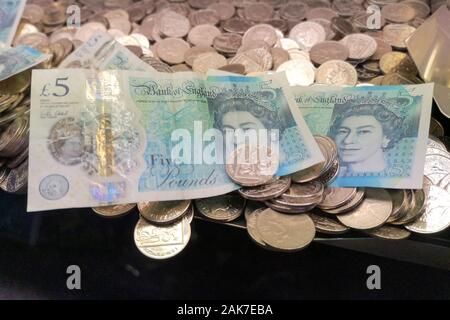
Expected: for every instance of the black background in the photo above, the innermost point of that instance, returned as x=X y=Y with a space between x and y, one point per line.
x=220 y=262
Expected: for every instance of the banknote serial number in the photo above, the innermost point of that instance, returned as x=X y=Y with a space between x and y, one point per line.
x=226 y=310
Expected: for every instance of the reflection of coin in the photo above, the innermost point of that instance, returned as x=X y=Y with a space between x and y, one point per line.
x=389 y=233
x=266 y=191
x=371 y=213
x=326 y=224
x=65 y=141
x=114 y=211
x=163 y=212
x=53 y=187
x=223 y=208
x=285 y=232
x=161 y=242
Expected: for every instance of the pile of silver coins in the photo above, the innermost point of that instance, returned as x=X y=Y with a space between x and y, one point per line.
x=14 y=133
x=313 y=41
x=285 y=213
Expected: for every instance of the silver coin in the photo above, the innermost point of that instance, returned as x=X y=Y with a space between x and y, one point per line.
x=417 y=205
x=266 y=191
x=285 y=232
x=437 y=166
x=299 y=192
x=389 y=233
x=189 y=215
x=161 y=242
x=436 y=216
x=400 y=202
x=17 y=179
x=251 y=165
x=356 y=201
x=417 y=208
x=438 y=150
x=253 y=232
x=65 y=141
x=331 y=173
x=288 y=208
x=329 y=150
x=435 y=143
x=373 y=211
x=299 y=201
x=163 y=212
x=326 y=224
x=224 y=208
x=114 y=211
x=445 y=183
x=251 y=206
x=336 y=197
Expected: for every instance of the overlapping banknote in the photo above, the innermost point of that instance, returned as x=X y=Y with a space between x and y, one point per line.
x=102 y=52
x=98 y=138
x=18 y=59
x=381 y=132
x=10 y=13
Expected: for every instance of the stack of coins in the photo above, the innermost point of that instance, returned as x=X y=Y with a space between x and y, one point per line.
x=311 y=204
x=164 y=228
x=14 y=132
x=285 y=213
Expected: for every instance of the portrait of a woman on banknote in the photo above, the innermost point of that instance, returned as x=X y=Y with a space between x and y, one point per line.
x=363 y=133
x=244 y=114
x=244 y=119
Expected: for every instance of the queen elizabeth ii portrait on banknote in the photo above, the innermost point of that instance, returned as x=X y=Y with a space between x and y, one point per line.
x=251 y=121
x=363 y=134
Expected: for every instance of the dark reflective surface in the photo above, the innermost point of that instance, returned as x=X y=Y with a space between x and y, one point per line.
x=219 y=262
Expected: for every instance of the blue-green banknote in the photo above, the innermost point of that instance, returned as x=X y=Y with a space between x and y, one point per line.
x=126 y=136
x=17 y=59
x=102 y=52
x=380 y=131
x=10 y=13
